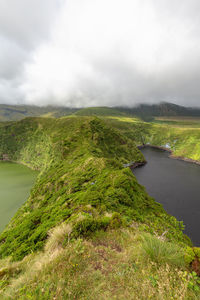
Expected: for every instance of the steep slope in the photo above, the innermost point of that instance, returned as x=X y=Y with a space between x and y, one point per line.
x=81 y=162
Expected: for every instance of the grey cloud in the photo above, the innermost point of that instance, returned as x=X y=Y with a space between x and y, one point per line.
x=12 y=58
x=23 y=26
x=92 y=52
x=27 y=22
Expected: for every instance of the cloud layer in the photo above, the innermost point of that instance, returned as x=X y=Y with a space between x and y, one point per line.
x=99 y=52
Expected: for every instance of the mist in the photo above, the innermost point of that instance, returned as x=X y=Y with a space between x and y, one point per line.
x=99 y=53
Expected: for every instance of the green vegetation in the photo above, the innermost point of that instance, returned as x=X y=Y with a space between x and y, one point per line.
x=162 y=252
x=81 y=162
x=180 y=135
x=100 y=111
x=144 y=111
x=18 y=112
x=148 y=111
x=108 y=265
x=175 y=126
x=88 y=229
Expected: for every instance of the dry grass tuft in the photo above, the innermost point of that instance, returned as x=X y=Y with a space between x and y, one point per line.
x=57 y=236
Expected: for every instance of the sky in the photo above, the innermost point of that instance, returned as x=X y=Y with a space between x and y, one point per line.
x=82 y=53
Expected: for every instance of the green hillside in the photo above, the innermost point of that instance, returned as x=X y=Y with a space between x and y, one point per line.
x=149 y=111
x=99 y=111
x=81 y=160
x=180 y=134
x=88 y=229
x=18 y=112
x=143 y=111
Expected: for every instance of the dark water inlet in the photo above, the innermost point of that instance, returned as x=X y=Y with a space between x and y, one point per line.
x=176 y=185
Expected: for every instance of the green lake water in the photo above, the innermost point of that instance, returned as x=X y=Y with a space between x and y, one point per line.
x=16 y=182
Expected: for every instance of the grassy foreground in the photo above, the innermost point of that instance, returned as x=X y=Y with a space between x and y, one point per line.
x=110 y=265
x=88 y=229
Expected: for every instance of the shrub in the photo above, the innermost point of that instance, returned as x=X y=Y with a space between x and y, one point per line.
x=116 y=220
x=189 y=255
x=87 y=225
x=162 y=252
x=197 y=251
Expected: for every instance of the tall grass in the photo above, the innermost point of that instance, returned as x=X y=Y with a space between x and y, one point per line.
x=162 y=252
x=57 y=236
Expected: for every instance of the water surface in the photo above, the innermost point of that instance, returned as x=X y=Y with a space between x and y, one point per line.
x=16 y=182
x=175 y=184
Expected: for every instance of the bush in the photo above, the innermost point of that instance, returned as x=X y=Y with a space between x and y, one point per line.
x=87 y=225
x=116 y=220
x=197 y=251
x=162 y=252
x=189 y=255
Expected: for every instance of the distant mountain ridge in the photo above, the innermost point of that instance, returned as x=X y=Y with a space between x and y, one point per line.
x=161 y=109
x=18 y=112
x=144 y=111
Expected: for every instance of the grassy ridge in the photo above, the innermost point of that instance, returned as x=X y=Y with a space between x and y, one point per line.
x=80 y=235
x=81 y=162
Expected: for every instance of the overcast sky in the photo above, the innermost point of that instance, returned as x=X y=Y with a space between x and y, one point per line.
x=99 y=52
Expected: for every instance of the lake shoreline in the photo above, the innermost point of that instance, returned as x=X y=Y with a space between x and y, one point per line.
x=5 y=158
x=137 y=165
x=189 y=160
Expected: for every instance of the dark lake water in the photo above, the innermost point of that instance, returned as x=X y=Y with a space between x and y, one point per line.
x=176 y=185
